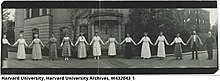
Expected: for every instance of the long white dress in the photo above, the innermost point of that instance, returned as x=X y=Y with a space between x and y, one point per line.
x=21 y=48
x=145 y=50
x=111 y=48
x=161 y=47
x=96 y=46
x=82 y=47
x=36 y=51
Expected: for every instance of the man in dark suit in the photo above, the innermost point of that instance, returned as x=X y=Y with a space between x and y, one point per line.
x=209 y=45
x=195 y=42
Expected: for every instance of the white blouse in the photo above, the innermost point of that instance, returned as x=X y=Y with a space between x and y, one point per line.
x=145 y=39
x=81 y=39
x=96 y=39
x=161 y=39
x=128 y=39
x=5 y=41
x=177 y=40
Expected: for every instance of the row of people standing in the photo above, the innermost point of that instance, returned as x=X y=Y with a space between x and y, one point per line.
x=145 y=51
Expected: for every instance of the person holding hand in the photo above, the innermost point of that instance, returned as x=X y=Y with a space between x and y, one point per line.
x=161 y=53
x=111 y=48
x=128 y=46
x=145 y=50
x=65 y=44
x=82 y=47
x=178 y=48
x=36 y=50
x=96 y=46
x=21 y=48
x=5 y=45
x=53 y=44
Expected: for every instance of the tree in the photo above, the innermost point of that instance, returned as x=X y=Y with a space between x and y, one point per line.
x=74 y=16
x=5 y=15
x=155 y=20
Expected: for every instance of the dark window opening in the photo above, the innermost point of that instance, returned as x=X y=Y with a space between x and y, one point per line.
x=35 y=13
x=44 y=11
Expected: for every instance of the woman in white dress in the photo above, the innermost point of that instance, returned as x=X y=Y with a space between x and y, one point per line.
x=96 y=46
x=82 y=47
x=145 y=50
x=111 y=48
x=5 y=45
x=36 y=50
x=21 y=47
x=178 y=47
x=128 y=46
x=161 y=47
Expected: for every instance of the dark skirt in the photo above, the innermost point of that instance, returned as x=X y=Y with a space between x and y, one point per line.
x=53 y=51
x=178 y=50
x=4 y=51
x=128 y=50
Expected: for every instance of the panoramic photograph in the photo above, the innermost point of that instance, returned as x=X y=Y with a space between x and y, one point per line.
x=109 y=38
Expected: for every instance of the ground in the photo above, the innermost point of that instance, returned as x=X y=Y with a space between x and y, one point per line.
x=117 y=62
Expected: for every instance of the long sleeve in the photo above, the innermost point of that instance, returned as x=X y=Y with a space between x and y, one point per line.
x=166 y=41
x=91 y=41
x=182 y=41
x=150 y=41
x=199 y=40
x=16 y=42
x=71 y=41
x=156 y=41
x=107 y=41
x=101 y=40
x=77 y=41
x=189 y=40
x=47 y=43
x=123 y=41
x=213 y=39
x=132 y=41
x=173 y=41
x=116 y=41
x=86 y=41
x=7 y=41
x=41 y=43
x=31 y=43
x=62 y=42
x=140 y=40
x=25 y=43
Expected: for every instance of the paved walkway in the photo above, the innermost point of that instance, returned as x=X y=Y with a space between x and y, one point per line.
x=117 y=62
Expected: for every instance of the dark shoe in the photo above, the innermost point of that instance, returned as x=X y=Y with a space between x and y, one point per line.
x=192 y=59
x=176 y=58
x=181 y=58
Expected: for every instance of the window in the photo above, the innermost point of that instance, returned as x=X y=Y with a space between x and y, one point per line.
x=27 y=13
x=44 y=11
x=35 y=13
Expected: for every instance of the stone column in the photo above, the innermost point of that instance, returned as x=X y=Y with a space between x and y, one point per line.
x=119 y=34
x=93 y=29
x=48 y=11
x=25 y=13
x=30 y=13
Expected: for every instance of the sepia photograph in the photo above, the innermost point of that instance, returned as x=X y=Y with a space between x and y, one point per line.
x=109 y=38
